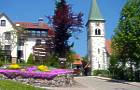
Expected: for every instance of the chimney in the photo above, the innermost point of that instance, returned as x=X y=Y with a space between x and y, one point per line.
x=40 y=20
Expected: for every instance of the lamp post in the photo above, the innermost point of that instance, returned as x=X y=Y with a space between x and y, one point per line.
x=62 y=62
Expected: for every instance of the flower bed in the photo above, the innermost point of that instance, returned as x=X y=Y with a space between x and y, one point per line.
x=32 y=75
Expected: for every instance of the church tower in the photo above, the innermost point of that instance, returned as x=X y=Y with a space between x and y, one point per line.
x=96 y=38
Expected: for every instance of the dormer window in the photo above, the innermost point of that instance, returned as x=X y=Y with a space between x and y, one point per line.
x=97 y=32
x=3 y=23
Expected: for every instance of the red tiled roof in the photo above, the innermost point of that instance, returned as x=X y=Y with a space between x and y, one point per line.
x=30 y=25
x=78 y=59
x=108 y=46
x=77 y=62
x=33 y=25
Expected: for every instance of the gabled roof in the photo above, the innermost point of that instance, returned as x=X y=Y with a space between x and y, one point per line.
x=95 y=12
x=3 y=14
x=108 y=46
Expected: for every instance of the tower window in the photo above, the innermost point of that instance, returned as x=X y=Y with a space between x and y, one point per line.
x=97 y=32
x=98 y=51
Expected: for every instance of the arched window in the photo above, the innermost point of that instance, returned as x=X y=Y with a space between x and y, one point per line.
x=98 y=51
x=97 y=32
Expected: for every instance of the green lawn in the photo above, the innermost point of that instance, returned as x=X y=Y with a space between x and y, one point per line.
x=12 y=85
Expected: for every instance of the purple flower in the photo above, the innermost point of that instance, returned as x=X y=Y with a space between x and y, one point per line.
x=32 y=68
x=31 y=73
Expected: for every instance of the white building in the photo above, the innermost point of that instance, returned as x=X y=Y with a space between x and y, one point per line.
x=8 y=38
x=36 y=39
x=19 y=40
x=98 y=52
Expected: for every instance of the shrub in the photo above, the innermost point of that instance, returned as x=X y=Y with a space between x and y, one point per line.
x=1 y=63
x=104 y=73
x=53 y=61
x=30 y=59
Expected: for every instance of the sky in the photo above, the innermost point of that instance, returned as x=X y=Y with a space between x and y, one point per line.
x=31 y=10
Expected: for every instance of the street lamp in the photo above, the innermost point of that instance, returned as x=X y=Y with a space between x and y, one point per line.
x=62 y=62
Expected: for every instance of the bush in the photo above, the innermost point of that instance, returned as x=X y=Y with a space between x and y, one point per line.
x=52 y=61
x=1 y=63
x=104 y=73
x=30 y=59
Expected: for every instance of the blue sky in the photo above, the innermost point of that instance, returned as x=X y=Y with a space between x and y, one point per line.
x=31 y=10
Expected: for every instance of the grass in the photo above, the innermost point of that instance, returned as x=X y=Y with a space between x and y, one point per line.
x=12 y=85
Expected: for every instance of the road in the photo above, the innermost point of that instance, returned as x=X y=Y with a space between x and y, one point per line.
x=92 y=83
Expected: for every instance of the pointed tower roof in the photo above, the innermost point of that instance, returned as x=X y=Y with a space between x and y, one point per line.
x=95 y=12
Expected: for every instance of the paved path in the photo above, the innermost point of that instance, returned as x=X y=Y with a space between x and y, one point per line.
x=94 y=83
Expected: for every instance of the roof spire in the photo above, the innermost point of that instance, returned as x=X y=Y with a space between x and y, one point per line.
x=58 y=1
x=95 y=12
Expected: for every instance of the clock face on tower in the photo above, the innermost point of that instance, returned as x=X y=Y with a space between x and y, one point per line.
x=97 y=23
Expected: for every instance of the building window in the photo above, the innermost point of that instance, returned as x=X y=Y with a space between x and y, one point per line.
x=20 y=54
x=3 y=22
x=38 y=42
x=7 y=47
x=99 y=65
x=21 y=42
x=32 y=33
x=38 y=33
x=7 y=36
x=43 y=34
x=98 y=51
x=97 y=32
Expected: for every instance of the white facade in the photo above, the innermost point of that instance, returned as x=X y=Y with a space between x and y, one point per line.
x=96 y=45
x=97 y=52
x=27 y=48
x=8 y=36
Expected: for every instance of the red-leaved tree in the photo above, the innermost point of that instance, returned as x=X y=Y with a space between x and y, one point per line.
x=65 y=23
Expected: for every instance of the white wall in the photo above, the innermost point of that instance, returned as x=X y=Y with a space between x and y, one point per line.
x=28 y=48
x=8 y=27
x=96 y=42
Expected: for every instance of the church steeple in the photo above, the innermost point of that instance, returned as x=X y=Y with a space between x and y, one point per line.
x=95 y=12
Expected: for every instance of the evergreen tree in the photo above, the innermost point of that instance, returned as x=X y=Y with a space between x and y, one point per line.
x=65 y=23
x=126 y=42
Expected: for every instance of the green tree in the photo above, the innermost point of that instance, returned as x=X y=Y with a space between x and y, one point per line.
x=126 y=42
x=30 y=59
x=85 y=58
x=1 y=58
